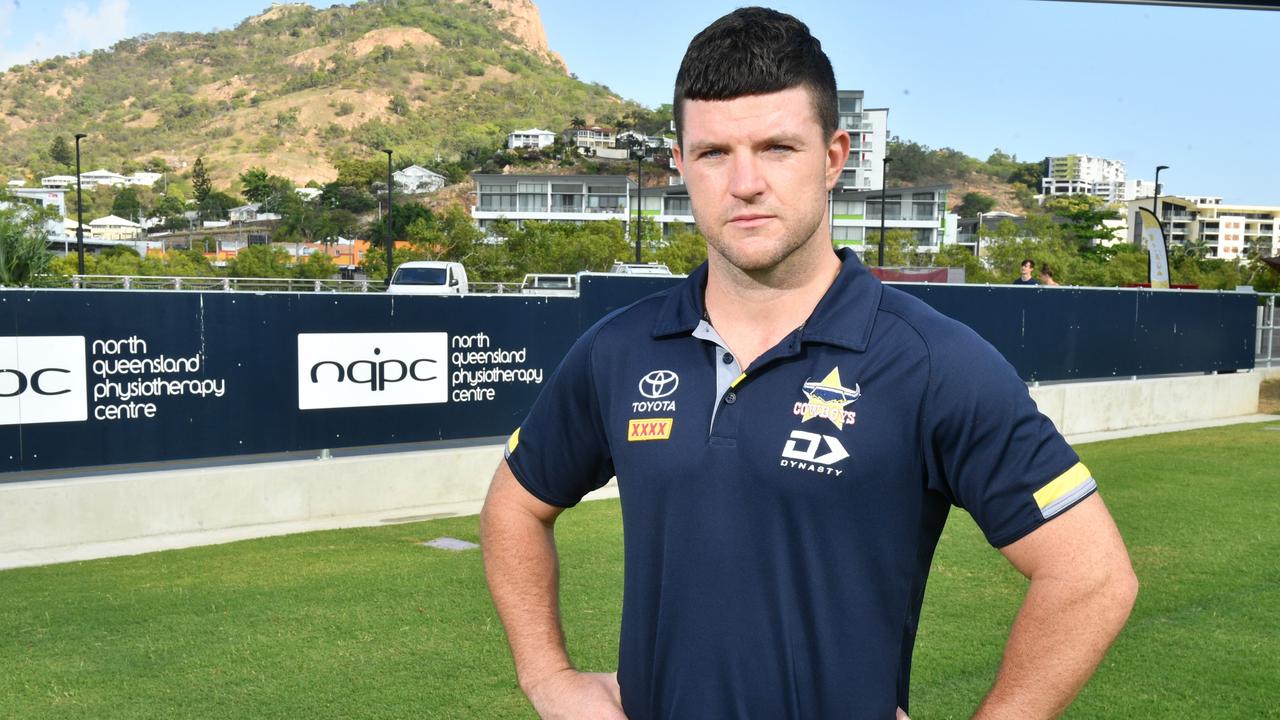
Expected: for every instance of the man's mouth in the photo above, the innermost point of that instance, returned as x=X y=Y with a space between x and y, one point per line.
x=749 y=220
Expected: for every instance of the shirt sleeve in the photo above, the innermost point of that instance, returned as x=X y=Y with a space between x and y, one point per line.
x=988 y=447
x=560 y=452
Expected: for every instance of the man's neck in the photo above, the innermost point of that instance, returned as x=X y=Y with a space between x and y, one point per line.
x=752 y=312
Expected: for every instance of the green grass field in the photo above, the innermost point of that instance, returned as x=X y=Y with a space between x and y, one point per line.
x=367 y=623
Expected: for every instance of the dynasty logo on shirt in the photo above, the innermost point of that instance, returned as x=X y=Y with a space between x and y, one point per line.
x=827 y=399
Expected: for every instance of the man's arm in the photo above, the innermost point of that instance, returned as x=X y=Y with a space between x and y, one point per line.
x=1082 y=589
x=520 y=563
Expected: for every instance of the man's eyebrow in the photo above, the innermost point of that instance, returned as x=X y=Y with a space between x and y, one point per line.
x=704 y=145
x=790 y=139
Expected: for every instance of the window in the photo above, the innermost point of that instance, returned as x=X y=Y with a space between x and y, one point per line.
x=923 y=206
x=893 y=209
x=848 y=235
x=679 y=206
x=847 y=207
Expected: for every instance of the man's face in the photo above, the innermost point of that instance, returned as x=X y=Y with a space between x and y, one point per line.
x=1026 y=269
x=758 y=169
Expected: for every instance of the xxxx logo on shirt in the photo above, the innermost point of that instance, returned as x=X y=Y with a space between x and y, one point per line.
x=649 y=429
x=827 y=399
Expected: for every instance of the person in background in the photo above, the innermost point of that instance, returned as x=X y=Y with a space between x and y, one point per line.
x=1024 y=277
x=1046 y=276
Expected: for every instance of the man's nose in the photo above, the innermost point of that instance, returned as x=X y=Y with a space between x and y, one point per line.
x=747 y=181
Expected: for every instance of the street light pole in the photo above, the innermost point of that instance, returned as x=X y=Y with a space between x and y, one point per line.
x=977 y=238
x=1155 y=194
x=390 y=243
x=884 y=183
x=79 y=210
x=639 y=192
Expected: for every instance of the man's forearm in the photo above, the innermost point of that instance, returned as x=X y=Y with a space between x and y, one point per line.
x=522 y=571
x=1060 y=636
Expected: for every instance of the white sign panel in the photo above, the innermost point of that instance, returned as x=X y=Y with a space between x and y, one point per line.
x=42 y=380
x=342 y=370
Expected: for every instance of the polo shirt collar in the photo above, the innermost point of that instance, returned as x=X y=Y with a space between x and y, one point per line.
x=844 y=316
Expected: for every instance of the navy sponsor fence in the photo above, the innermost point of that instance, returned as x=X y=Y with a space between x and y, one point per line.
x=93 y=378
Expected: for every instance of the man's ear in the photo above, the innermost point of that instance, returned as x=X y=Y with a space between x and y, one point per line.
x=837 y=154
x=678 y=156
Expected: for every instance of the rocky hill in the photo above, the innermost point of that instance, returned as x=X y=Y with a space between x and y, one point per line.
x=294 y=89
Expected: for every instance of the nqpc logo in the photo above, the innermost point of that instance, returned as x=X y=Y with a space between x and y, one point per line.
x=659 y=384
x=376 y=374
x=337 y=370
x=42 y=380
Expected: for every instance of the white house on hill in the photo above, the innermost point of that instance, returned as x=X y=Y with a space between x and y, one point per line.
x=115 y=228
x=531 y=138
x=417 y=179
x=94 y=178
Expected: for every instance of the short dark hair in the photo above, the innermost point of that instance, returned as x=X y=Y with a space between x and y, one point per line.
x=1027 y=262
x=756 y=51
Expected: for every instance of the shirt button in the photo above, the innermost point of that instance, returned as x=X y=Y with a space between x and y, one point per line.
x=728 y=358
x=730 y=398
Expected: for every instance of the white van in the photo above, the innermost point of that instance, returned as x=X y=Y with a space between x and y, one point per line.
x=624 y=268
x=550 y=284
x=429 y=277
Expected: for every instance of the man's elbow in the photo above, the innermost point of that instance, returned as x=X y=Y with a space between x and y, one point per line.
x=1116 y=590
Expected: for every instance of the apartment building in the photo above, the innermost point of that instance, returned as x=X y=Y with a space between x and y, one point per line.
x=49 y=197
x=855 y=217
x=668 y=206
x=1089 y=175
x=551 y=198
x=1226 y=230
x=868 y=141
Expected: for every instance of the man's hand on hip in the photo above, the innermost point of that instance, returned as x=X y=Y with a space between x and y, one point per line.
x=570 y=694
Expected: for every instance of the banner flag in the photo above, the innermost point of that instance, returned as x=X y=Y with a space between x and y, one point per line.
x=1149 y=235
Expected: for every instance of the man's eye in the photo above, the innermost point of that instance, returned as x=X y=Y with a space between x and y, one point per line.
x=780 y=148
x=711 y=153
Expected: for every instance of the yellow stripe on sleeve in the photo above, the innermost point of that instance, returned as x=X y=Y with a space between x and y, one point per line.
x=1063 y=484
x=513 y=442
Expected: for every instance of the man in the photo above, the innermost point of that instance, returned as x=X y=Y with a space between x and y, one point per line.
x=1024 y=274
x=788 y=436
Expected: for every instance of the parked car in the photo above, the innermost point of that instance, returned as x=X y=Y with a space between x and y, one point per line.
x=550 y=284
x=429 y=277
x=639 y=268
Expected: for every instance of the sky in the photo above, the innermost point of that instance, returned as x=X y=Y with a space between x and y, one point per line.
x=1195 y=89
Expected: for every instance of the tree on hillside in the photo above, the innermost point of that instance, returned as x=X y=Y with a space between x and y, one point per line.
x=127 y=205
x=974 y=203
x=300 y=221
x=270 y=190
x=1028 y=173
x=200 y=182
x=1082 y=217
x=216 y=205
x=255 y=185
x=359 y=173
x=260 y=261
x=60 y=151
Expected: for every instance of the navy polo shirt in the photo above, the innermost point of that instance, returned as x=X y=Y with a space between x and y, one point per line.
x=779 y=526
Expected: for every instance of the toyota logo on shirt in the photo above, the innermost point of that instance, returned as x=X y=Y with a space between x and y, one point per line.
x=659 y=384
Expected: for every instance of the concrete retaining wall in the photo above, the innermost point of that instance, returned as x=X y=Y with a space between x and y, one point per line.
x=1091 y=407
x=67 y=519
